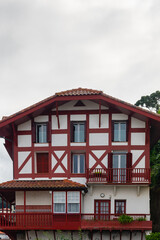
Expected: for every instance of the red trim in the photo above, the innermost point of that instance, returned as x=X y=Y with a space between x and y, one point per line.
x=52 y=202
x=147 y=158
x=102 y=130
x=80 y=196
x=59 y=131
x=57 y=114
x=79 y=112
x=68 y=147
x=24 y=132
x=137 y=130
x=99 y=114
x=24 y=202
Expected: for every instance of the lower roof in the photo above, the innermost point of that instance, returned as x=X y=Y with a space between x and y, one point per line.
x=7 y=189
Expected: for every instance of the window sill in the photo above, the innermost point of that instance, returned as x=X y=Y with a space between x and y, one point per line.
x=119 y=143
x=41 y=144
x=78 y=143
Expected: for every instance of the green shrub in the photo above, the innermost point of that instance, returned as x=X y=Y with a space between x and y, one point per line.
x=125 y=219
x=141 y=219
x=153 y=236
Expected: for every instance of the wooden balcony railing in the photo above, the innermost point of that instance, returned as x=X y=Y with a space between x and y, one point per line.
x=39 y=221
x=110 y=222
x=119 y=175
x=49 y=221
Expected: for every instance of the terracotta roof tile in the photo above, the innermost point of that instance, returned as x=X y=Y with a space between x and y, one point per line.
x=78 y=92
x=42 y=184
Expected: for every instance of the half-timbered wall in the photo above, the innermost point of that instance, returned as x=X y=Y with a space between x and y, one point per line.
x=96 y=148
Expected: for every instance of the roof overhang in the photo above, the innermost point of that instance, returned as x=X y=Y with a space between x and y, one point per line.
x=98 y=97
x=8 y=189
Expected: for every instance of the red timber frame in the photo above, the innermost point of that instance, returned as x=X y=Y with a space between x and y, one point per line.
x=69 y=149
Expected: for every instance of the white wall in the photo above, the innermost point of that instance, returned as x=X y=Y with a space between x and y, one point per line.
x=137 y=138
x=26 y=126
x=97 y=139
x=136 y=123
x=134 y=204
x=59 y=139
x=24 y=141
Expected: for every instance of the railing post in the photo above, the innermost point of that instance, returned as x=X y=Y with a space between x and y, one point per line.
x=87 y=175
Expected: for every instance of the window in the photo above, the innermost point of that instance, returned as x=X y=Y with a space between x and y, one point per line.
x=78 y=163
x=59 y=202
x=119 y=167
x=73 y=202
x=119 y=131
x=120 y=207
x=42 y=163
x=78 y=132
x=41 y=132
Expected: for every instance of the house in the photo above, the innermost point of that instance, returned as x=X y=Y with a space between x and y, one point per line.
x=81 y=159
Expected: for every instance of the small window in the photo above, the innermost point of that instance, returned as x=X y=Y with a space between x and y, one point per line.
x=42 y=163
x=78 y=132
x=78 y=163
x=41 y=132
x=73 y=202
x=119 y=131
x=120 y=207
x=59 y=202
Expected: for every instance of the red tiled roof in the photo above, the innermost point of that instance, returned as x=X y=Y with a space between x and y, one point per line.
x=78 y=92
x=42 y=184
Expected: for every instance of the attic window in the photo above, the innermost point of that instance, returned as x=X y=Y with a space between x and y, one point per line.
x=79 y=104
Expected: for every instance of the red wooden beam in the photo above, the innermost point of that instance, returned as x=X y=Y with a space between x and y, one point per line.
x=57 y=115
x=99 y=113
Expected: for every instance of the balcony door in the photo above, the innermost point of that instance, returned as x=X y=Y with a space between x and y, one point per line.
x=102 y=209
x=119 y=167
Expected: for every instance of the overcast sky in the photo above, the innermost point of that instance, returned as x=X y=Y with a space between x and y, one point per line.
x=48 y=46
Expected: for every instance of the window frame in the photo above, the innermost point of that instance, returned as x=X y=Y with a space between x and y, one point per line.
x=118 y=201
x=78 y=193
x=113 y=127
x=37 y=132
x=36 y=163
x=66 y=196
x=72 y=166
x=59 y=202
x=72 y=140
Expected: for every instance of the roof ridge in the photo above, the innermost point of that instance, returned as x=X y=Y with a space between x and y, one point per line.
x=79 y=91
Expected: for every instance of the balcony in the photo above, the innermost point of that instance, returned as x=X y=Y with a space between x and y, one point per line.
x=49 y=221
x=110 y=222
x=119 y=175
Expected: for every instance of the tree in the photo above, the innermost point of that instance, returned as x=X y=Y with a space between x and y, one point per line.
x=152 y=102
